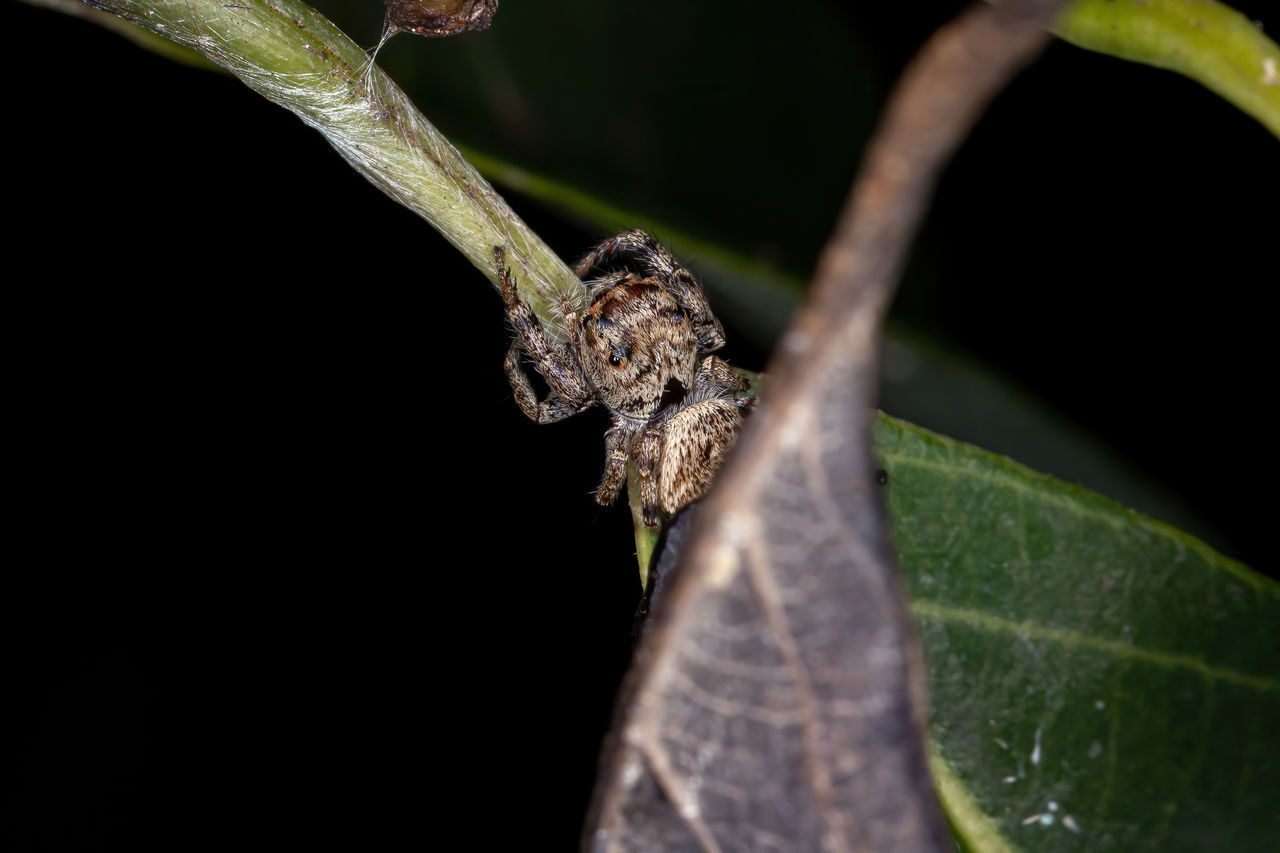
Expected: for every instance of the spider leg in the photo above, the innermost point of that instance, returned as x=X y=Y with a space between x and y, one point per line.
x=553 y=408
x=569 y=394
x=617 y=452
x=646 y=451
x=636 y=243
x=655 y=260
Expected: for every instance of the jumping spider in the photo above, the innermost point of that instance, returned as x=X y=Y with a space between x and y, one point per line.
x=640 y=349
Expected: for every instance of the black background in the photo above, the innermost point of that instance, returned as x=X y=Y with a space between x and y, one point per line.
x=289 y=563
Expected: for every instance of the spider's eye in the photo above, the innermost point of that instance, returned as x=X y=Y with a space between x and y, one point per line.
x=678 y=315
x=619 y=355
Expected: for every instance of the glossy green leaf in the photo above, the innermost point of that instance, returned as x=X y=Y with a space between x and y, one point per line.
x=1098 y=680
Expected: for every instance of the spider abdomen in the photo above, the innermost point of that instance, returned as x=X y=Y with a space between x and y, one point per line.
x=695 y=442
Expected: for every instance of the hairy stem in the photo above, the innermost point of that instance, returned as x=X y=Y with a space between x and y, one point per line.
x=295 y=57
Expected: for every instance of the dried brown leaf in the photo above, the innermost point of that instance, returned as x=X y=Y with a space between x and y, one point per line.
x=776 y=701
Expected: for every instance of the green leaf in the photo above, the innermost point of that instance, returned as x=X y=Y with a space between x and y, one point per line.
x=1099 y=680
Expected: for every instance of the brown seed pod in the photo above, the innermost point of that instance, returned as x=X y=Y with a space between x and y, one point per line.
x=439 y=18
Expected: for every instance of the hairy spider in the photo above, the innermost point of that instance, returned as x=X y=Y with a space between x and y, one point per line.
x=640 y=350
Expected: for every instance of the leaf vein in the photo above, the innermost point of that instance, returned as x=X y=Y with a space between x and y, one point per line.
x=986 y=621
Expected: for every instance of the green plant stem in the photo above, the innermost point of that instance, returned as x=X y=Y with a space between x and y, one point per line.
x=295 y=57
x=1211 y=43
x=646 y=537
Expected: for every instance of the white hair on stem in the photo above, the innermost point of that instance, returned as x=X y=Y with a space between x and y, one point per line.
x=295 y=57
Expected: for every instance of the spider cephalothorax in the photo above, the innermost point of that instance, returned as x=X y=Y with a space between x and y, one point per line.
x=640 y=349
